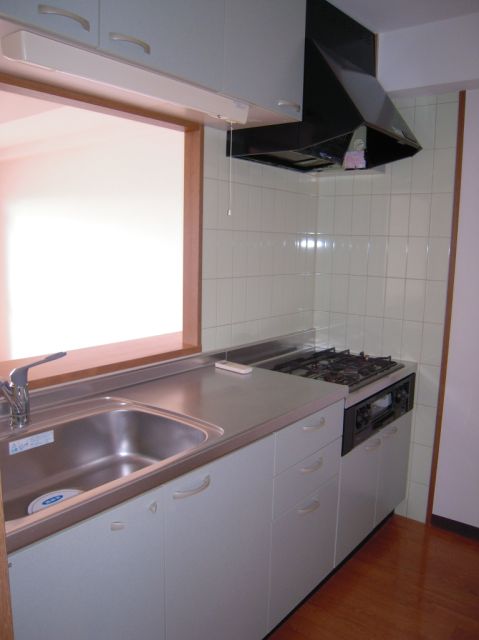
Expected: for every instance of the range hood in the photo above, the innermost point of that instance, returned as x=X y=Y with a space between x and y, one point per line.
x=348 y=120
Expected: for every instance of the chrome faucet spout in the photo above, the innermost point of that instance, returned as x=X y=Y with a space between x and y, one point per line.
x=16 y=391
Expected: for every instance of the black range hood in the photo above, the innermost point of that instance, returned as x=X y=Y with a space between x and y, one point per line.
x=348 y=120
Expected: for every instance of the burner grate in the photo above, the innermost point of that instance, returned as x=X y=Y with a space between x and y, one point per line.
x=340 y=367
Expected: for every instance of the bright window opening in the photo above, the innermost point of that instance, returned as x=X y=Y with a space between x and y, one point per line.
x=91 y=226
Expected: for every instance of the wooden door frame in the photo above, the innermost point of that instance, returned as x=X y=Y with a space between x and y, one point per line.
x=449 y=301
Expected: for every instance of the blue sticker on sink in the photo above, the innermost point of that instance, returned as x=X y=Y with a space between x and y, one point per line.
x=53 y=499
x=48 y=499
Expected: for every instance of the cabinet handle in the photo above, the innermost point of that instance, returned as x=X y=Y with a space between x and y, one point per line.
x=47 y=9
x=312 y=507
x=390 y=432
x=316 y=427
x=117 y=526
x=290 y=104
x=314 y=467
x=122 y=37
x=374 y=445
x=177 y=495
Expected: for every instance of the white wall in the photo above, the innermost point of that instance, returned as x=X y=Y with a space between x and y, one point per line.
x=457 y=485
x=258 y=263
x=437 y=57
x=382 y=266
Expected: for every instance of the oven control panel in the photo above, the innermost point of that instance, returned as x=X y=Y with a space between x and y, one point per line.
x=364 y=418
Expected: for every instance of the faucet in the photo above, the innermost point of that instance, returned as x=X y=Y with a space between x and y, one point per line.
x=16 y=391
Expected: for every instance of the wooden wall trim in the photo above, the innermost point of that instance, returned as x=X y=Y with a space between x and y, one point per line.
x=6 y=621
x=449 y=301
x=192 y=247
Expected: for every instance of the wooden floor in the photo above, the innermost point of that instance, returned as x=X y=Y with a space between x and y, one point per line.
x=407 y=581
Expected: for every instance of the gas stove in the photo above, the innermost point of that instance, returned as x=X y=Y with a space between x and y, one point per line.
x=340 y=367
x=381 y=390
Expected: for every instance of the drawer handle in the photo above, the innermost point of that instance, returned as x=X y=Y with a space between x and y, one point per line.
x=374 y=445
x=314 y=467
x=47 y=9
x=178 y=495
x=122 y=37
x=290 y=104
x=316 y=427
x=390 y=432
x=312 y=507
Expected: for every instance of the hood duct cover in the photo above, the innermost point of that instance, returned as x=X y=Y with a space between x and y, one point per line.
x=345 y=110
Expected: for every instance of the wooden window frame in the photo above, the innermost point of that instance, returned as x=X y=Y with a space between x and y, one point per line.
x=103 y=359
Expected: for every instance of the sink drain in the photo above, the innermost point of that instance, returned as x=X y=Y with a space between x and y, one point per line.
x=52 y=497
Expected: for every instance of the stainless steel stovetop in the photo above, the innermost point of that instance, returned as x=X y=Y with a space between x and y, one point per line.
x=330 y=365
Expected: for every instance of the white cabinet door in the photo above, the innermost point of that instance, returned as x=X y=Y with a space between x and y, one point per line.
x=74 y=19
x=357 y=496
x=302 y=550
x=183 y=38
x=264 y=53
x=393 y=468
x=218 y=535
x=102 y=578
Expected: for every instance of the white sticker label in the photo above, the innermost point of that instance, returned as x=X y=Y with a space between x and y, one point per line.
x=38 y=440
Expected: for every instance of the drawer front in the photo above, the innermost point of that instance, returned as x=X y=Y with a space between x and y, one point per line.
x=300 y=480
x=302 y=550
x=305 y=437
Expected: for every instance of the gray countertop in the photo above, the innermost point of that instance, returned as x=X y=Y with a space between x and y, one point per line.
x=247 y=408
x=238 y=403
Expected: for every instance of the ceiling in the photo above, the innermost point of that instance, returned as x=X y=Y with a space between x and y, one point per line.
x=389 y=15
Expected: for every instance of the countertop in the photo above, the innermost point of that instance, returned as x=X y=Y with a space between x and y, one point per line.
x=247 y=408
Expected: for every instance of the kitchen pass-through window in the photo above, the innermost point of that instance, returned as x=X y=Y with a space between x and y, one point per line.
x=92 y=230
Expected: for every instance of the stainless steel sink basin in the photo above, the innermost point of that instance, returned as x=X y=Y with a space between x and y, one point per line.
x=89 y=448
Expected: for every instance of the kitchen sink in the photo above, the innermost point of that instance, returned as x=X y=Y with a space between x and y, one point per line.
x=44 y=464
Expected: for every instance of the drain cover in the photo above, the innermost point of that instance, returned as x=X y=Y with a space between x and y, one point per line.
x=52 y=497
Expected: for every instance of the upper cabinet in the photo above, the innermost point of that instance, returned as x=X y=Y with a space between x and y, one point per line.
x=73 y=19
x=264 y=53
x=183 y=38
x=248 y=50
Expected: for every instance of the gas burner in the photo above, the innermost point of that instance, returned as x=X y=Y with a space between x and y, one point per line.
x=340 y=367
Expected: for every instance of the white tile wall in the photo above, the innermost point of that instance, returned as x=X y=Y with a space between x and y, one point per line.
x=259 y=263
x=383 y=241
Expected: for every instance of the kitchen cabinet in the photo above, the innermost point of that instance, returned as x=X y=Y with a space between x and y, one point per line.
x=218 y=526
x=182 y=38
x=357 y=496
x=304 y=508
x=252 y=51
x=102 y=578
x=71 y=19
x=302 y=549
x=225 y=551
x=393 y=467
x=372 y=484
x=264 y=53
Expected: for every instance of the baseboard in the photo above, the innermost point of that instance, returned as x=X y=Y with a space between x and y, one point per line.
x=466 y=530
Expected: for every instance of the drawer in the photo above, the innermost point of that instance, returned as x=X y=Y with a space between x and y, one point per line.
x=305 y=437
x=300 y=480
x=302 y=551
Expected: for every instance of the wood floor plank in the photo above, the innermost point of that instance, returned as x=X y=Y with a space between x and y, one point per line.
x=409 y=581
